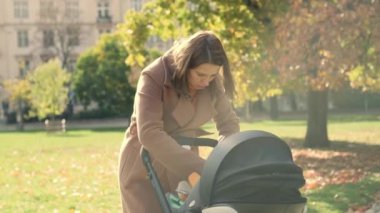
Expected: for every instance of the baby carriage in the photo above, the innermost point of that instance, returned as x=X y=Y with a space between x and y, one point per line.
x=251 y=171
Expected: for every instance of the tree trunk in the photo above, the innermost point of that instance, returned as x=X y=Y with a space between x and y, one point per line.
x=293 y=101
x=20 y=115
x=273 y=108
x=258 y=105
x=316 y=134
x=247 y=110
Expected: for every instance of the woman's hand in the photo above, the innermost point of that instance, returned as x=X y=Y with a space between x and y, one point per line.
x=193 y=178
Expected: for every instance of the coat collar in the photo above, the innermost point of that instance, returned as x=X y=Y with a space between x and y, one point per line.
x=188 y=114
x=185 y=112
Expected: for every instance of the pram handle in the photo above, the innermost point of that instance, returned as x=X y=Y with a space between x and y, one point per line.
x=152 y=176
x=196 y=141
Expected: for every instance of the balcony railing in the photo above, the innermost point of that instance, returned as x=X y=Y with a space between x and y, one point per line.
x=104 y=19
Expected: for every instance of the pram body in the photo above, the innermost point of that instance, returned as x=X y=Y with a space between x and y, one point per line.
x=251 y=171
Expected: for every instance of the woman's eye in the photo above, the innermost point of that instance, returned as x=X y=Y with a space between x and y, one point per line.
x=201 y=75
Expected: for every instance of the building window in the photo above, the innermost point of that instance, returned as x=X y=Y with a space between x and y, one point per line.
x=23 y=67
x=136 y=5
x=22 y=38
x=48 y=38
x=103 y=9
x=46 y=8
x=72 y=9
x=103 y=31
x=71 y=63
x=156 y=42
x=73 y=34
x=21 y=8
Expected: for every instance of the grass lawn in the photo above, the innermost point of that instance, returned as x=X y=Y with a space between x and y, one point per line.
x=77 y=171
x=42 y=172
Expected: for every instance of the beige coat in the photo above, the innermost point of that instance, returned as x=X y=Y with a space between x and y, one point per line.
x=159 y=113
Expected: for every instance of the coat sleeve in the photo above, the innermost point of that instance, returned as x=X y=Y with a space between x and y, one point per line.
x=225 y=118
x=150 y=129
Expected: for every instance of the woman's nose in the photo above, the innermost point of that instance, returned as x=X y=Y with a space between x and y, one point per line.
x=206 y=81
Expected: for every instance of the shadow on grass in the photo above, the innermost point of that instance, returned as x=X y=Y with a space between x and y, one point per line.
x=109 y=129
x=334 y=145
x=78 y=132
x=340 y=155
x=66 y=135
x=331 y=119
x=364 y=117
x=69 y=130
x=333 y=116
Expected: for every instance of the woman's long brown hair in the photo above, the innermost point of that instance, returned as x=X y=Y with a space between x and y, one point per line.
x=202 y=47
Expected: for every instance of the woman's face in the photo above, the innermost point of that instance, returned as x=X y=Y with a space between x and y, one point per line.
x=201 y=76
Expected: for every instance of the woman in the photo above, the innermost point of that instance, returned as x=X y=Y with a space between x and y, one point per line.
x=176 y=95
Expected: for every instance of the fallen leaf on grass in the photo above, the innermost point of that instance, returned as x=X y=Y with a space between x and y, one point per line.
x=326 y=167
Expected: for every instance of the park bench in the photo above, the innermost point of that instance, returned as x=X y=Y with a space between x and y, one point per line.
x=55 y=125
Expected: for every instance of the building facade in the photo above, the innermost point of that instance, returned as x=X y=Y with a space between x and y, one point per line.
x=30 y=29
x=33 y=31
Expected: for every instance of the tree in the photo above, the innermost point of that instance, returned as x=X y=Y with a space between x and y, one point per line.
x=101 y=76
x=322 y=43
x=60 y=30
x=232 y=21
x=48 y=89
x=18 y=91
